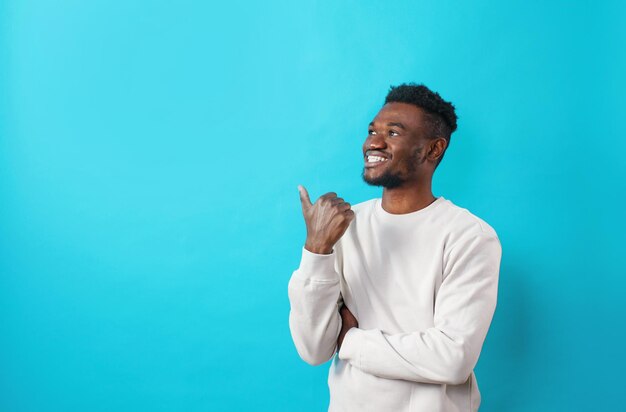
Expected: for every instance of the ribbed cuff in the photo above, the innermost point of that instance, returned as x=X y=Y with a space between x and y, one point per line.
x=322 y=267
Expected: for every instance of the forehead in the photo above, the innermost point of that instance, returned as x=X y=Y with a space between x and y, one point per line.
x=407 y=114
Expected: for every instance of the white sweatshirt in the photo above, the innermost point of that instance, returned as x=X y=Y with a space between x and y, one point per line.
x=423 y=287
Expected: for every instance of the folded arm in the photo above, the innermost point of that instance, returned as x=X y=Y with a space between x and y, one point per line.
x=448 y=351
x=314 y=296
x=314 y=291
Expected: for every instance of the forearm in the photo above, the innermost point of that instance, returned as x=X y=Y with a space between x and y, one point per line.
x=314 y=319
x=448 y=351
x=427 y=357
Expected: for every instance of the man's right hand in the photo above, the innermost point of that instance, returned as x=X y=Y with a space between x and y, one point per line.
x=326 y=220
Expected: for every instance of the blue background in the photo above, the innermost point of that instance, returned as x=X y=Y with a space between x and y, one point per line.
x=150 y=153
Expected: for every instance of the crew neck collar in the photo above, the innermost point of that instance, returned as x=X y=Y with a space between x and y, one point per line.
x=420 y=212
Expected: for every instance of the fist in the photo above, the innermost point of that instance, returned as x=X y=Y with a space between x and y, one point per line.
x=326 y=220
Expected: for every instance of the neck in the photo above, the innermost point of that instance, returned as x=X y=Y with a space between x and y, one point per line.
x=408 y=198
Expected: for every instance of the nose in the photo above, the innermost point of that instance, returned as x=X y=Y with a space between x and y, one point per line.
x=375 y=141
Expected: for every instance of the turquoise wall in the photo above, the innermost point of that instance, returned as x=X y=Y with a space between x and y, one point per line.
x=150 y=153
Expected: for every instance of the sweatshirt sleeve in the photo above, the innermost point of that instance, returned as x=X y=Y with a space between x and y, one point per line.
x=464 y=306
x=314 y=296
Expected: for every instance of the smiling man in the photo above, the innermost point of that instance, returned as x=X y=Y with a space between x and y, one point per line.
x=401 y=288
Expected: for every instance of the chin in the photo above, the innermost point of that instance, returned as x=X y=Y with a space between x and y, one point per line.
x=386 y=180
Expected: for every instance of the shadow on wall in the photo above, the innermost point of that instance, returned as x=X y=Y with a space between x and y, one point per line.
x=505 y=356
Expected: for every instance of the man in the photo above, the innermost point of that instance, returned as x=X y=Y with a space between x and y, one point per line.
x=402 y=288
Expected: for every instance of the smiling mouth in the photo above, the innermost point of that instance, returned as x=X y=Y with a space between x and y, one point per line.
x=373 y=160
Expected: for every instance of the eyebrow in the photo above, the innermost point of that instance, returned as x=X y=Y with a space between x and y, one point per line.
x=400 y=125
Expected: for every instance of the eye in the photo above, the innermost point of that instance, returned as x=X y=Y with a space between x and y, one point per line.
x=393 y=133
x=371 y=132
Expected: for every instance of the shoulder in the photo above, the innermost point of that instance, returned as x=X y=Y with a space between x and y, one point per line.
x=465 y=232
x=460 y=219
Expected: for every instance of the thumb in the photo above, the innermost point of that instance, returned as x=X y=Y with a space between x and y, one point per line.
x=304 y=198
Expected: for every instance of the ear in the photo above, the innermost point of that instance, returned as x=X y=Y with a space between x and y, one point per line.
x=437 y=147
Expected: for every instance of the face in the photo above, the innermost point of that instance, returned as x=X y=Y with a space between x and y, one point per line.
x=396 y=149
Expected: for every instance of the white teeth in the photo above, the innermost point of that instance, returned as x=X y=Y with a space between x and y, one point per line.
x=374 y=159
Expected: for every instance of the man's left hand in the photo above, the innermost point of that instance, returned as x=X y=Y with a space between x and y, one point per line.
x=348 y=321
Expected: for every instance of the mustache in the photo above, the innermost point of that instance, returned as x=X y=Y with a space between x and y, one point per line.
x=372 y=152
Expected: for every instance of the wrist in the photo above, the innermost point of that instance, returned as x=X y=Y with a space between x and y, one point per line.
x=318 y=249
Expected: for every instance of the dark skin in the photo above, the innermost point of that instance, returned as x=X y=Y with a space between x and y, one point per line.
x=398 y=145
x=348 y=321
x=400 y=134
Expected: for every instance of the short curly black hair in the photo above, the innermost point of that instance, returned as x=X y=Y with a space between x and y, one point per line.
x=440 y=114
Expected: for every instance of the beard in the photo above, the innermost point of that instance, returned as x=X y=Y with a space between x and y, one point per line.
x=391 y=180
x=387 y=180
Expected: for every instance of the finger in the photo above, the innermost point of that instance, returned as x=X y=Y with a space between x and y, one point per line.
x=329 y=195
x=343 y=216
x=343 y=206
x=336 y=201
x=304 y=198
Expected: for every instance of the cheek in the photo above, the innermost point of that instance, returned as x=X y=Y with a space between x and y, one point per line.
x=417 y=152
